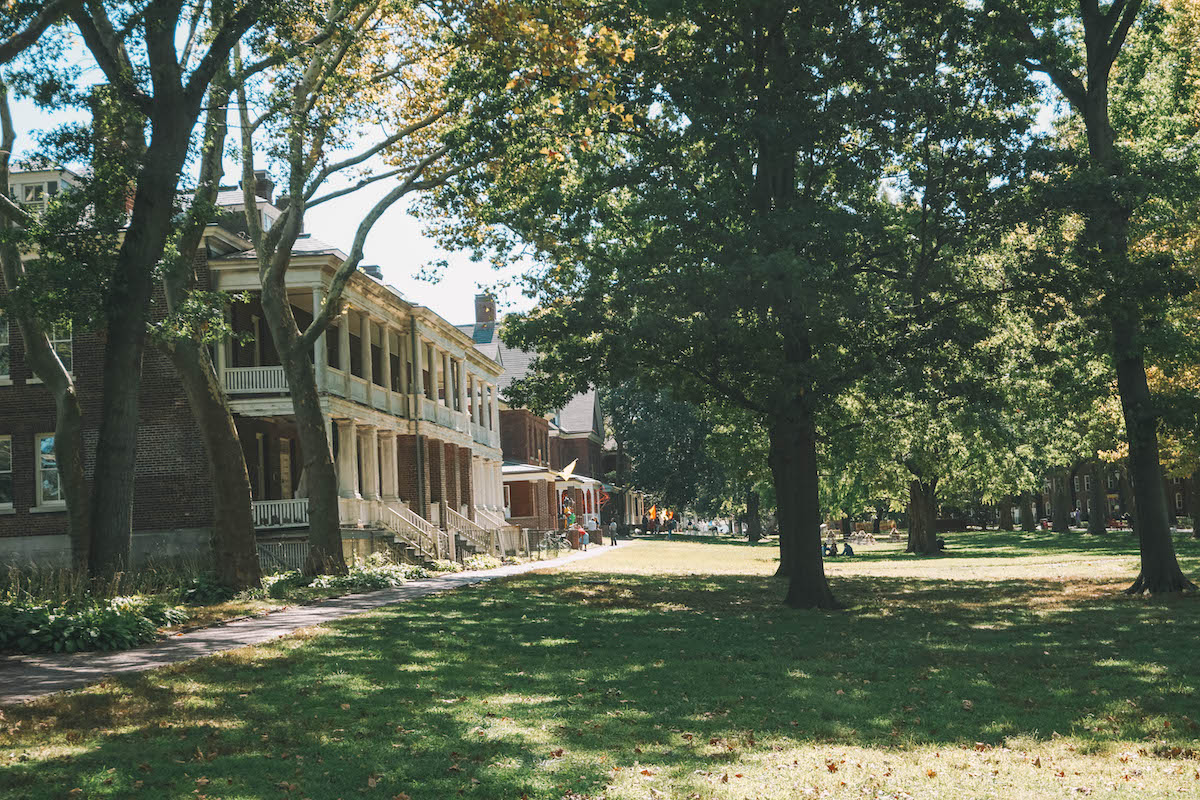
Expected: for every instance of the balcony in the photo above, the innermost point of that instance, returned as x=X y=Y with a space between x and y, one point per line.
x=481 y=435
x=270 y=514
x=272 y=380
x=255 y=380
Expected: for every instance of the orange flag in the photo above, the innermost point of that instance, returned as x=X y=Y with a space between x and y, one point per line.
x=653 y=512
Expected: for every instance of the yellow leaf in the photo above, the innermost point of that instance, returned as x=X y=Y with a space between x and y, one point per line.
x=628 y=54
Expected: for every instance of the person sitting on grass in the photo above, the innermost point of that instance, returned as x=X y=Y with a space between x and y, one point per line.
x=847 y=550
x=831 y=549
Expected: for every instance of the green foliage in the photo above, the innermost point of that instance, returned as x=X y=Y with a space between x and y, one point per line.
x=481 y=561
x=205 y=590
x=443 y=565
x=115 y=624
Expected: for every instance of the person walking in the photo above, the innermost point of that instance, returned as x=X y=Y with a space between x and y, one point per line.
x=612 y=531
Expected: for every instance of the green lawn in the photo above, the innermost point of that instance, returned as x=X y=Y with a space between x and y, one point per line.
x=1011 y=667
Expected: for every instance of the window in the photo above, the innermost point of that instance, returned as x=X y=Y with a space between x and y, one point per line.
x=6 y=477
x=49 y=490
x=63 y=346
x=1179 y=501
x=1076 y=481
x=4 y=347
x=1112 y=479
x=1087 y=483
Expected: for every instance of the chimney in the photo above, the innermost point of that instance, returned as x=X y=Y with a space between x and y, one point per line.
x=373 y=270
x=485 y=309
x=264 y=187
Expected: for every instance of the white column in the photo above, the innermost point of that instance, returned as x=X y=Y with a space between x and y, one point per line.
x=329 y=434
x=344 y=350
x=320 y=354
x=222 y=353
x=447 y=380
x=364 y=331
x=432 y=359
x=469 y=385
x=370 y=462
x=387 y=457
x=385 y=362
x=493 y=408
x=347 y=460
x=462 y=386
x=418 y=383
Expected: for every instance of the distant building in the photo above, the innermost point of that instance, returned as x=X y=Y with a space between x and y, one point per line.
x=411 y=408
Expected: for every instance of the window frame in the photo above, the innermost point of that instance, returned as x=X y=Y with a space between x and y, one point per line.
x=39 y=502
x=5 y=348
x=8 y=507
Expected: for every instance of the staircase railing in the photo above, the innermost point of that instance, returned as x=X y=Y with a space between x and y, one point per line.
x=409 y=526
x=490 y=521
x=482 y=538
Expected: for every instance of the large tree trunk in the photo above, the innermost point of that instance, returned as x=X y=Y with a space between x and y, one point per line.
x=127 y=312
x=1004 y=511
x=793 y=460
x=1098 y=515
x=1061 y=498
x=753 y=519
x=1193 y=502
x=235 y=551
x=1028 y=515
x=922 y=515
x=324 y=533
x=1160 y=568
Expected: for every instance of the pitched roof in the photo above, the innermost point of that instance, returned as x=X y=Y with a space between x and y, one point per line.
x=579 y=414
x=306 y=245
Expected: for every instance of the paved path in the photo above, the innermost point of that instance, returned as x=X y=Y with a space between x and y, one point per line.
x=26 y=677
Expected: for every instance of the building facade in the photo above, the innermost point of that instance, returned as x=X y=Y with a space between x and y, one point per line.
x=411 y=410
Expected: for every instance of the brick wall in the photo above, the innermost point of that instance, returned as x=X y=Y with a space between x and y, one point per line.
x=465 y=476
x=172 y=488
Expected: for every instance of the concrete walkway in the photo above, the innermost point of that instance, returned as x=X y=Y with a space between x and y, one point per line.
x=25 y=677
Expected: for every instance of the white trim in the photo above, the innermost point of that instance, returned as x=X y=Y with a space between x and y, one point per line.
x=40 y=504
x=8 y=508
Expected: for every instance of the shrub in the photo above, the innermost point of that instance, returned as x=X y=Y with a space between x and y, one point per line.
x=442 y=565
x=282 y=583
x=481 y=561
x=115 y=624
x=205 y=590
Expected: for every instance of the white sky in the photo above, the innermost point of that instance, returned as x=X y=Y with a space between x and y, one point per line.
x=395 y=243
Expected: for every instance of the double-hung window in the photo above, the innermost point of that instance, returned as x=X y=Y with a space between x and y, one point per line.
x=48 y=487
x=63 y=345
x=6 y=474
x=5 y=350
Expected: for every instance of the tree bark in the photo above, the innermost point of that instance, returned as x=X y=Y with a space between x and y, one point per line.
x=753 y=519
x=1028 y=515
x=1004 y=511
x=1098 y=515
x=1160 y=571
x=793 y=461
x=324 y=533
x=922 y=514
x=1128 y=498
x=235 y=551
x=1061 y=497
x=1194 y=502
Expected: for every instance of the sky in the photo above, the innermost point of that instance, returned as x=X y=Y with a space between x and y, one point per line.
x=396 y=243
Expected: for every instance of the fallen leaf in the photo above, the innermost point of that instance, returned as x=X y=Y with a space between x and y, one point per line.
x=931 y=773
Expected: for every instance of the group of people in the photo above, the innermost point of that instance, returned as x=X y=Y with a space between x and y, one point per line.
x=830 y=548
x=590 y=532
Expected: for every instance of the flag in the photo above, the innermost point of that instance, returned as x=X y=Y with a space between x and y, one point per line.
x=604 y=498
x=670 y=514
x=653 y=512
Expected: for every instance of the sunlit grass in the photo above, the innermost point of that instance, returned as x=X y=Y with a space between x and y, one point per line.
x=670 y=670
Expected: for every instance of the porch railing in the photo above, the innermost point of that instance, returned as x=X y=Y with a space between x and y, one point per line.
x=482 y=538
x=255 y=380
x=489 y=519
x=280 y=513
x=406 y=525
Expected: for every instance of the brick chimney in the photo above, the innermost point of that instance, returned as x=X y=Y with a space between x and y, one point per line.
x=485 y=309
x=264 y=187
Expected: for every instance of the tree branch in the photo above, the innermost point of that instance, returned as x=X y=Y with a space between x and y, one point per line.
x=16 y=44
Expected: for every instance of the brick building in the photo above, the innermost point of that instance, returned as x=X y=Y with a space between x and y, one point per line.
x=411 y=408
x=538 y=449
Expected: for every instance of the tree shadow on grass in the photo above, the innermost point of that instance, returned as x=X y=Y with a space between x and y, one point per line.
x=539 y=686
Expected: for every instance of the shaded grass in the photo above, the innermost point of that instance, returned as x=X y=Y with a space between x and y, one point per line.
x=668 y=670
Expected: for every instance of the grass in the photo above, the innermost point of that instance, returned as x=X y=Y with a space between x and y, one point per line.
x=669 y=670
